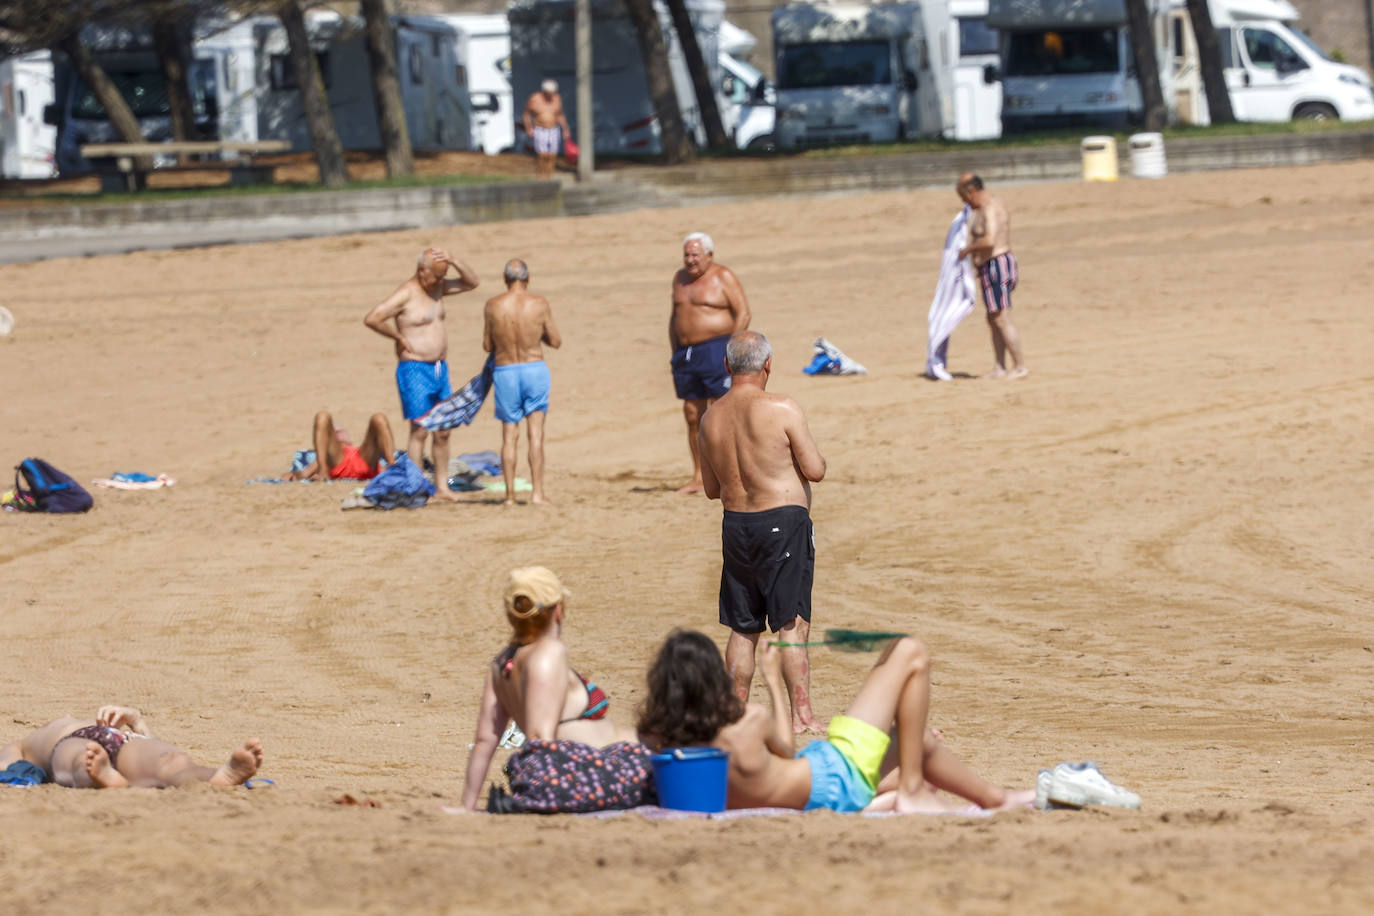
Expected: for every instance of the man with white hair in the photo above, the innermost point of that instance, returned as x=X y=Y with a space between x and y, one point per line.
x=759 y=459
x=546 y=125
x=417 y=308
x=708 y=306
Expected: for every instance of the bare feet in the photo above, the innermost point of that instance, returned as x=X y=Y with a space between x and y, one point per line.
x=243 y=763
x=1016 y=798
x=540 y=500
x=1018 y=372
x=809 y=724
x=510 y=501
x=999 y=372
x=696 y=486
x=101 y=771
x=923 y=801
x=444 y=496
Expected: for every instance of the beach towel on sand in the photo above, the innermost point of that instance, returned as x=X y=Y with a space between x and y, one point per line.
x=401 y=485
x=953 y=299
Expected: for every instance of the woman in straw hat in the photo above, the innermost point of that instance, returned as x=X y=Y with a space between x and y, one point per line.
x=531 y=682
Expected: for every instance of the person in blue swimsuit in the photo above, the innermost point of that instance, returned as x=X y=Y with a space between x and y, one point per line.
x=517 y=324
x=691 y=701
x=413 y=317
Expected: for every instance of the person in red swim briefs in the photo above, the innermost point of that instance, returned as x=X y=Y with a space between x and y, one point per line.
x=335 y=451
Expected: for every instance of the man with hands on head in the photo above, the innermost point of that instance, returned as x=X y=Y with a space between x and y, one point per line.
x=413 y=316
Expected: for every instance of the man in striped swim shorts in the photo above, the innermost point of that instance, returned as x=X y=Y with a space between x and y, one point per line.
x=989 y=247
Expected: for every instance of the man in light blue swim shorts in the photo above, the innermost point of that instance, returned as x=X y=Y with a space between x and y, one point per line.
x=517 y=325
x=417 y=307
x=691 y=701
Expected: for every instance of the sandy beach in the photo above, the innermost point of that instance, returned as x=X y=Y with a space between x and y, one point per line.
x=1154 y=553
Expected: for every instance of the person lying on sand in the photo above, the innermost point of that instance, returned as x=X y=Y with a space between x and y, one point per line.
x=334 y=450
x=115 y=750
x=691 y=701
x=531 y=681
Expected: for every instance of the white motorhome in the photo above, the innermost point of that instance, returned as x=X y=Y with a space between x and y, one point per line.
x=1273 y=71
x=1070 y=63
x=484 y=53
x=247 y=69
x=858 y=73
x=623 y=118
x=750 y=112
x=28 y=145
x=975 y=111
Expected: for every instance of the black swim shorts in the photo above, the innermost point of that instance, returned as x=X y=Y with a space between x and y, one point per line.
x=768 y=563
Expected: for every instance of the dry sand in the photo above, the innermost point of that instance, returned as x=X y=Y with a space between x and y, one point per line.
x=1154 y=553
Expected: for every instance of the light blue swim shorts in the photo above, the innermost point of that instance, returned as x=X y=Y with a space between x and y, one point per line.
x=520 y=389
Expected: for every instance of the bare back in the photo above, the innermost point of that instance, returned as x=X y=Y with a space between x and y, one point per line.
x=517 y=324
x=756 y=451
x=758 y=777
x=546 y=698
x=990 y=221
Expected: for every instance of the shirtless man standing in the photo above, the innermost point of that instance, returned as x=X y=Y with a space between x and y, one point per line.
x=422 y=348
x=543 y=120
x=516 y=323
x=708 y=306
x=759 y=460
x=115 y=750
x=989 y=232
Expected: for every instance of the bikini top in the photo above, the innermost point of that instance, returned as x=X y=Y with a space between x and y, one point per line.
x=598 y=704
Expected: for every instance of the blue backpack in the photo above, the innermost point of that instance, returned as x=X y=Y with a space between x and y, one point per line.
x=50 y=490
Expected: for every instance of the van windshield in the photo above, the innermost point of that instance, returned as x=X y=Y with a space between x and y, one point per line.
x=834 y=63
x=1063 y=51
x=976 y=37
x=1306 y=39
x=145 y=91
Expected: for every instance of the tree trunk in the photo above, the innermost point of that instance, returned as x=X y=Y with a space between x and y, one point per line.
x=1146 y=64
x=677 y=146
x=701 y=75
x=116 y=108
x=95 y=77
x=323 y=137
x=1209 y=57
x=176 y=66
x=386 y=89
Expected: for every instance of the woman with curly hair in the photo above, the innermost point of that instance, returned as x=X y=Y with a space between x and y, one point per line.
x=691 y=702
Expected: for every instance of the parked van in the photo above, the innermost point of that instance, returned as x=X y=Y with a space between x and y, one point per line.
x=1070 y=63
x=975 y=109
x=243 y=86
x=1273 y=71
x=858 y=73
x=28 y=145
x=624 y=120
x=485 y=56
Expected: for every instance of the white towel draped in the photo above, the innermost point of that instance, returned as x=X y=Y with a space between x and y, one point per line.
x=954 y=296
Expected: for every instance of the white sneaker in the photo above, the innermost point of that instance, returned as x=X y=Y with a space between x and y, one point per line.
x=512 y=736
x=1080 y=784
x=938 y=371
x=1043 y=780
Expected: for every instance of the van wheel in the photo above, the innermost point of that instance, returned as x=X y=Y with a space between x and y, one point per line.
x=1315 y=111
x=762 y=144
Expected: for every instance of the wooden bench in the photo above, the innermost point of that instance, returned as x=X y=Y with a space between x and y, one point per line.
x=125 y=166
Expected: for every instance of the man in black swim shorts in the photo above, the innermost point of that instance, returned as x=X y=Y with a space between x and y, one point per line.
x=759 y=460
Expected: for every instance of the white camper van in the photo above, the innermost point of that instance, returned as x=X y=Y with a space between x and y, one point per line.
x=255 y=82
x=975 y=110
x=486 y=61
x=1273 y=71
x=28 y=145
x=1069 y=63
x=624 y=121
x=857 y=73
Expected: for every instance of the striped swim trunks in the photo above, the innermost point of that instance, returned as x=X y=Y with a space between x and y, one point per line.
x=998 y=277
